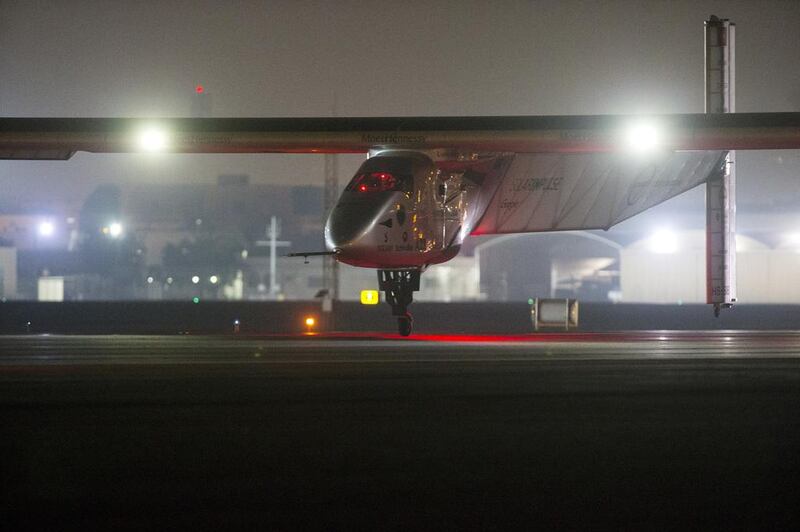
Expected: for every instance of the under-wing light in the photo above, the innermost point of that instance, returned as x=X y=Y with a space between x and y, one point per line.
x=792 y=241
x=663 y=242
x=153 y=139
x=642 y=137
x=46 y=229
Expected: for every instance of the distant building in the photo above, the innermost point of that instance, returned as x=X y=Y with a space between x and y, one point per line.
x=588 y=265
x=235 y=211
x=8 y=273
x=518 y=267
x=654 y=273
x=167 y=213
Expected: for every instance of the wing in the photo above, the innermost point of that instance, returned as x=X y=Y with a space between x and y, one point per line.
x=557 y=192
x=60 y=138
x=556 y=172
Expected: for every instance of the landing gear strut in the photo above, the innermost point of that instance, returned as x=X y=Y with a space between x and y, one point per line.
x=399 y=287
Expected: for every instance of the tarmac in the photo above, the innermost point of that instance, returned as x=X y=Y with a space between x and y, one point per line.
x=644 y=430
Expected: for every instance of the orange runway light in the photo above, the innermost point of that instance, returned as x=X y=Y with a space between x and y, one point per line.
x=310 y=322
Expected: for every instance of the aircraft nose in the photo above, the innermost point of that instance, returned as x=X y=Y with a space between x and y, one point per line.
x=345 y=224
x=349 y=221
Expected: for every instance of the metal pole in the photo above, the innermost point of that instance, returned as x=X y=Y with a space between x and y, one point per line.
x=721 y=189
x=273 y=244
x=273 y=231
x=330 y=266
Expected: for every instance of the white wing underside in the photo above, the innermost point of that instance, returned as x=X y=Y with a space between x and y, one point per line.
x=557 y=192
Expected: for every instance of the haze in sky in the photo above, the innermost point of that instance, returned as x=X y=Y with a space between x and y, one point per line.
x=375 y=58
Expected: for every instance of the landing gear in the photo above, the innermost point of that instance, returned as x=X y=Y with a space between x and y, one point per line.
x=405 y=324
x=399 y=287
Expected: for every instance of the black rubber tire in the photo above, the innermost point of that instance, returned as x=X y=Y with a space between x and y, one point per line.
x=405 y=325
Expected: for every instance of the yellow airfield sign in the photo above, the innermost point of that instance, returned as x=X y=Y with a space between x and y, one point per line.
x=370 y=297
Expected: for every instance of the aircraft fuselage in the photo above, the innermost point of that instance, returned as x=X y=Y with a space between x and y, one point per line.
x=404 y=210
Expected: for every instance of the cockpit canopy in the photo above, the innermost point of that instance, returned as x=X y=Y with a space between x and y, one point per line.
x=374 y=182
x=384 y=174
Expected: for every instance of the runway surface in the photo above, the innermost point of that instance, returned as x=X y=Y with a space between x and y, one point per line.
x=647 y=430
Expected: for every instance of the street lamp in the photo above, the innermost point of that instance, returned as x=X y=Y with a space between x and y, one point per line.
x=663 y=242
x=115 y=230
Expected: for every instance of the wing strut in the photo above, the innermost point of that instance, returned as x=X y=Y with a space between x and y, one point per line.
x=721 y=188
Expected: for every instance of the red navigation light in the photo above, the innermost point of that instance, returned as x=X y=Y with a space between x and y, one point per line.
x=199 y=89
x=362 y=188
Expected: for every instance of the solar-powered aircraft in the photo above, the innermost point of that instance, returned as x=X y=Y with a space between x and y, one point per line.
x=428 y=183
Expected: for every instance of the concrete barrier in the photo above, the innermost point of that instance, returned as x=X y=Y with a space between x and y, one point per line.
x=141 y=317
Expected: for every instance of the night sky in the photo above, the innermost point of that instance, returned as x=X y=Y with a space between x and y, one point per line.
x=378 y=58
